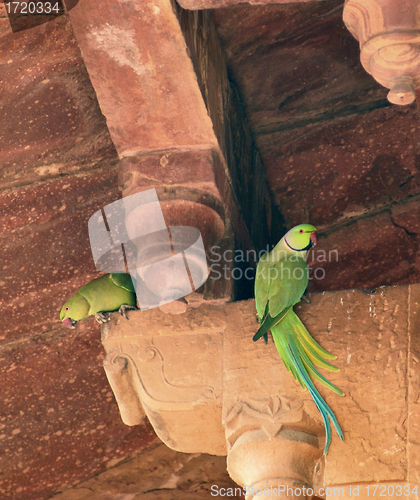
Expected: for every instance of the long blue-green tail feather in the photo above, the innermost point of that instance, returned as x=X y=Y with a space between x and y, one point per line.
x=299 y=353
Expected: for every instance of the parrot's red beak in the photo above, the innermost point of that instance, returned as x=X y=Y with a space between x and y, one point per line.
x=314 y=238
x=68 y=323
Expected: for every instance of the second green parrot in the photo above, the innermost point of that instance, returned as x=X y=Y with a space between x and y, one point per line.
x=281 y=280
x=111 y=292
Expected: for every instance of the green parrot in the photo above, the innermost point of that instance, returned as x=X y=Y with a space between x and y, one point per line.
x=110 y=292
x=281 y=280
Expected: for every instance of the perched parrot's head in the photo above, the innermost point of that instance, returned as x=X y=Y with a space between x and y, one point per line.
x=74 y=310
x=301 y=237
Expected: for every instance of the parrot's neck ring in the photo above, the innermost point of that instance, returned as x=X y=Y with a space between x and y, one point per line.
x=310 y=244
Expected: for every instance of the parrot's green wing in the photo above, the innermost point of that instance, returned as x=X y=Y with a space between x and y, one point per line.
x=262 y=285
x=104 y=295
x=278 y=286
x=123 y=280
x=288 y=286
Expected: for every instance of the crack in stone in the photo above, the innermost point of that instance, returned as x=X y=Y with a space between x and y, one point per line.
x=346 y=221
x=327 y=115
x=36 y=180
x=401 y=227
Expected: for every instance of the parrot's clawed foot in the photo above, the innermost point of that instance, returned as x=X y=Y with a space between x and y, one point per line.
x=122 y=310
x=305 y=298
x=102 y=318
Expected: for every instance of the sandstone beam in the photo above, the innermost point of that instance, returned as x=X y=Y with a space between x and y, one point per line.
x=147 y=88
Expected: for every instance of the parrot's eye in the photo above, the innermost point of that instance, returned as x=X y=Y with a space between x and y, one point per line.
x=67 y=308
x=301 y=231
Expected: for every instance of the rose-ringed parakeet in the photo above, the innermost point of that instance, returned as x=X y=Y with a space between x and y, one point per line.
x=281 y=280
x=110 y=292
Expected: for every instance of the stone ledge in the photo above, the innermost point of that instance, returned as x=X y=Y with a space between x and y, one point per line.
x=195 y=368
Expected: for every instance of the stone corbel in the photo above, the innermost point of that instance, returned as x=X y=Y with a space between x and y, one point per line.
x=184 y=204
x=389 y=35
x=206 y=387
x=185 y=184
x=176 y=370
x=119 y=370
x=195 y=375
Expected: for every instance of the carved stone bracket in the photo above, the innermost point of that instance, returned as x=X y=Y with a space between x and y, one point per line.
x=389 y=35
x=158 y=122
x=176 y=373
x=183 y=203
x=206 y=387
x=119 y=370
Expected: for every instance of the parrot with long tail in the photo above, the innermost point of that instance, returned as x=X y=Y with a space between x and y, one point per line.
x=281 y=280
x=111 y=292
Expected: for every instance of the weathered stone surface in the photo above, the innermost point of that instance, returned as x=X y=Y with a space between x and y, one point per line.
x=187 y=169
x=373 y=335
x=407 y=215
x=413 y=415
x=144 y=80
x=50 y=123
x=159 y=474
x=59 y=422
x=265 y=412
x=356 y=253
x=214 y=4
x=57 y=168
x=335 y=152
x=46 y=252
x=359 y=172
